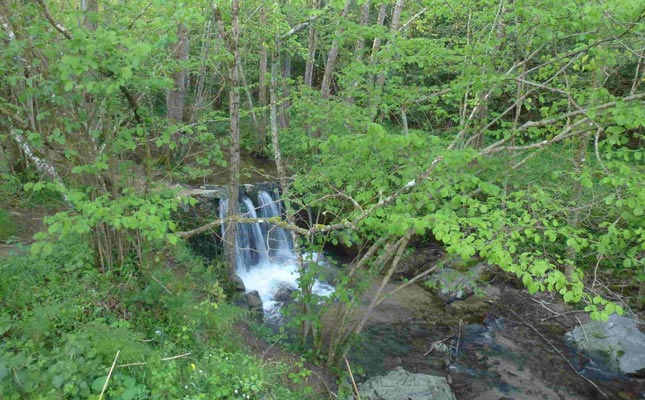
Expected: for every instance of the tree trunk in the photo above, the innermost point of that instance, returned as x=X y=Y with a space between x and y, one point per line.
x=262 y=88
x=325 y=87
x=282 y=174
x=90 y=10
x=376 y=44
x=360 y=44
x=200 y=88
x=232 y=41
x=285 y=104
x=234 y=114
x=380 y=79
x=176 y=97
x=311 y=51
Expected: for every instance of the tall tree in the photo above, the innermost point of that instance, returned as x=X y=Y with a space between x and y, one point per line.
x=232 y=39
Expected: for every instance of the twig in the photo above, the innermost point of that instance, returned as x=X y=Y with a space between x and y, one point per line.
x=557 y=314
x=109 y=374
x=144 y=363
x=406 y=284
x=15 y=376
x=563 y=314
x=557 y=351
x=273 y=344
x=434 y=345
x=162 y=285
x=349 y=369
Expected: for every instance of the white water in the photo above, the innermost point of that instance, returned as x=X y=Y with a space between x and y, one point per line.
x=266 y=261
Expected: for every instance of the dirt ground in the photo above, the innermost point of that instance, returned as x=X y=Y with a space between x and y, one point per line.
x=27 y=221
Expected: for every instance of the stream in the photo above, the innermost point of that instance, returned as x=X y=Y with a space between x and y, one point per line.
x=501 y=344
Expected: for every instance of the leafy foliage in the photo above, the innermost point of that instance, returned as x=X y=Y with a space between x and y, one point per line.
x=62 y=323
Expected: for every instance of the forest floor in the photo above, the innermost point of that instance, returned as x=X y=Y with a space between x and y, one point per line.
x=27 y=221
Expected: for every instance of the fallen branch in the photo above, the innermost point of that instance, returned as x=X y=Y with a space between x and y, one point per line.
x=349 y=369
x=109 y=375
x=144 y=362
x=434 y=345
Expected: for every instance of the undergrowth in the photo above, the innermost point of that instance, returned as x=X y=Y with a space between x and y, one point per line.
x=62 y=324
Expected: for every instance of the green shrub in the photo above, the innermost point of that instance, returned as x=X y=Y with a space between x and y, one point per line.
x=8 y=226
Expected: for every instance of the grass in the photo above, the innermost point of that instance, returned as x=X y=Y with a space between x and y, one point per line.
x=62 y=323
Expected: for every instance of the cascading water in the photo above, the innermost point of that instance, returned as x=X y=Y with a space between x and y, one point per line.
x=266 y=260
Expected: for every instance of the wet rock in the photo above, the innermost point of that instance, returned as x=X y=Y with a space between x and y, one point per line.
x=453 y=285
x=255 y=304
x=240 y=300
x=471 y=309
x=417 y=262
x=400 y=384
x=284 y=294
x=238 y=284
x=617 y=344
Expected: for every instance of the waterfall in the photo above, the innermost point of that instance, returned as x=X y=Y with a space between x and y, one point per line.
x=266 y=260
x=277 y=238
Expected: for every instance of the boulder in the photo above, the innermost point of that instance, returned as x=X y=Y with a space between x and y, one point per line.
x=284 y=294
x=400 y=384
x=238 y=284
x=255 y=304
x=618 y=344
x=453 y=285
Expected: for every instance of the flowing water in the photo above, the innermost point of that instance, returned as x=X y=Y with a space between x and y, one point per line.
x=266 y=260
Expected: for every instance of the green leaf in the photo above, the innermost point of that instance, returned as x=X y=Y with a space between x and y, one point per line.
x=638 y=211
x=98 y=384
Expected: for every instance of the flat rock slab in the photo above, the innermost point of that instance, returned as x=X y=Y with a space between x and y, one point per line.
x=400 y=384
x=617 y=343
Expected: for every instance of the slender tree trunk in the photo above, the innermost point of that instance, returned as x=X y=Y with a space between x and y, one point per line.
x=282 y=174
x=360 y=44
x=249 y=96
x=376 y=44
x=262 y=88
x=90 y=14
x=176 y=97
x=311 y=51
x=325 y=87
x=380 y=79
x=234 y=113
x=285 y=103
x=200 y=89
